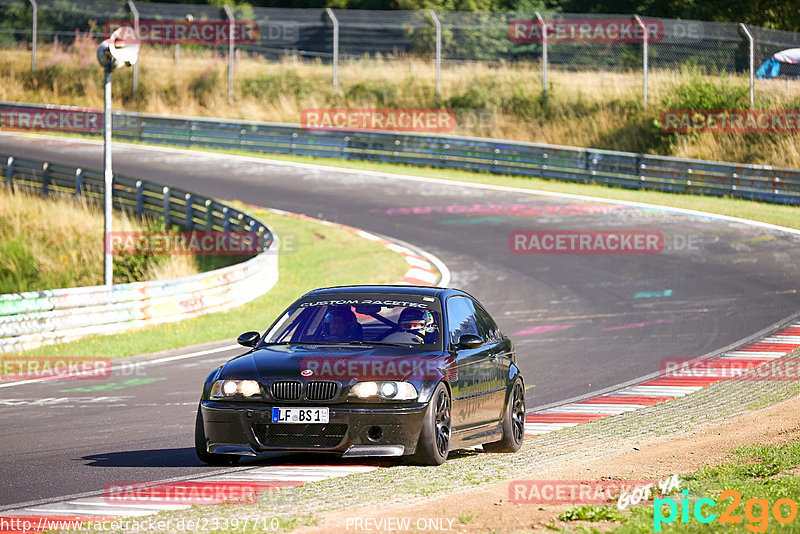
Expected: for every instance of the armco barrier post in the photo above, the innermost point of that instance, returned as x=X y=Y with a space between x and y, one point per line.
x=34 y=33
x=139 y=198
x=209 y=206
x=78 y=182
x=643 y=26
x=165 y=204
x=335 y=23
x=751 y=41
x=10 y=172
x=45 y=178
x=231 y=28
x=189 y=212
x=544 y=53
x=226 y=221
x=438 y=51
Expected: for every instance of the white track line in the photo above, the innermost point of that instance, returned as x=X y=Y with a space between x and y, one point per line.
x=600 y=409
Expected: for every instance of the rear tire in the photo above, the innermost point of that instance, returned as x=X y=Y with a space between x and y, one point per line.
x=513 y=422
x=434 y=438
x=201 y=449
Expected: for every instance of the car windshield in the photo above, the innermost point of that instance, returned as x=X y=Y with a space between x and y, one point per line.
x=392 y=321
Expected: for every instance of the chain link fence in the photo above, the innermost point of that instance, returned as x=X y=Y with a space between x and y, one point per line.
x=556 y=42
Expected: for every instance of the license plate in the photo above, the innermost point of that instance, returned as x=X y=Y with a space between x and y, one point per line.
x=299 y=415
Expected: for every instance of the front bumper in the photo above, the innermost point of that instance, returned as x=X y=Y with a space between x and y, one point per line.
x=246 y=429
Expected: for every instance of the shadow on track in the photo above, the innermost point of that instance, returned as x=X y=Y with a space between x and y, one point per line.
x=183 y=457
x=186 y=457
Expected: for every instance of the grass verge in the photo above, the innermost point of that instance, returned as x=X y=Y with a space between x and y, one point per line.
x=49 y=243
x=756 y=491
x=322 y=256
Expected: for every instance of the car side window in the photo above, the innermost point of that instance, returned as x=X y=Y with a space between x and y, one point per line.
x=461 y=318
x=487 y=328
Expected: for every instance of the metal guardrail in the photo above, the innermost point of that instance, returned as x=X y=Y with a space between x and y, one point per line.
x=622 y=169
x=32 y=319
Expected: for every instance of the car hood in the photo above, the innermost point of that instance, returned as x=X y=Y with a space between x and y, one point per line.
x=337 y=362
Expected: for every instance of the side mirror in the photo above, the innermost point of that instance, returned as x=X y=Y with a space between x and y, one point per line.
x=469 y=341
x=249 y=339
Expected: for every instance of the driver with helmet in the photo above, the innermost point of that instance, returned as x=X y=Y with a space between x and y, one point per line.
x=340 y=325
x=414 y=326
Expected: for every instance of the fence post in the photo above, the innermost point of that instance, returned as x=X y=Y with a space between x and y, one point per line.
x=231 y=28
x=139 y=198
x=752 y=62
x=34 y=33
x=135 y=13
x=643 y=26
x=10 y=172
x=544 y=53
x=78 y=182
x=335 y=22
x=166 y=207
x=438 y=51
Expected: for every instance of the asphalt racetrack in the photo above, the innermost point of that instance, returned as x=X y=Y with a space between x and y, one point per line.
x=581 y=322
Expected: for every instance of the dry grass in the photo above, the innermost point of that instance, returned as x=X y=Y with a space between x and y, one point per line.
x=593 y=109
x=58 y=242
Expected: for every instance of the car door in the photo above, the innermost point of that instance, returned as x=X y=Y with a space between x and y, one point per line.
x=500 y=352
x=475 y=368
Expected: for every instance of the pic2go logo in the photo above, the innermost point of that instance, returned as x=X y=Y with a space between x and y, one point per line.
x=756 y=511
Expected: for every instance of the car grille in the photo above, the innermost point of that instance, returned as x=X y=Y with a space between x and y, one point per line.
x=321 y=390
x=286 y=390
x=316 y=435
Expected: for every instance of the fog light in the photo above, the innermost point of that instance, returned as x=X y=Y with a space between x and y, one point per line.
x=375 y=433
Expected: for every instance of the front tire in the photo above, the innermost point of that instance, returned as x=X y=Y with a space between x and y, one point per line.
x=434 y=438
x=201 y=449
x=513 y=422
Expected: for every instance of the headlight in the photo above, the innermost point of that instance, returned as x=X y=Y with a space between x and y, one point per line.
x=389 y=390
x=226 y=389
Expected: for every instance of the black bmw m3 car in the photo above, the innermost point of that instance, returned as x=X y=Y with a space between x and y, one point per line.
x=367 y=371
